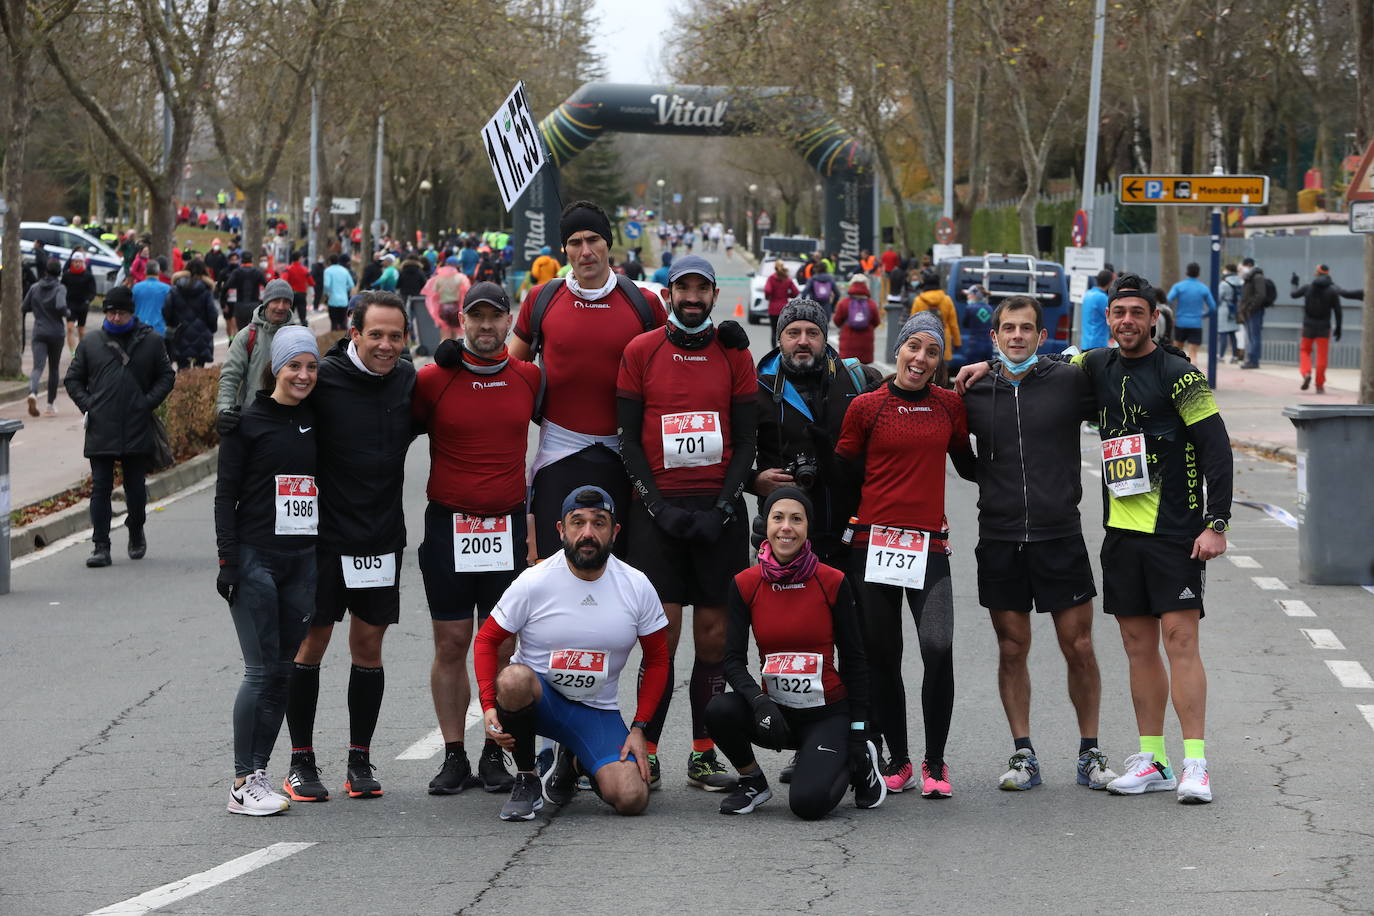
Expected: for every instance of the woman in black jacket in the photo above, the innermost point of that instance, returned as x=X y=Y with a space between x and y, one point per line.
x=266 y=519
x=79 y=280
x=191 y=318
x=118 y=377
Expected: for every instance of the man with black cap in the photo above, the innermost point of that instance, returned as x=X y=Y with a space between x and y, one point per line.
x=119 y=375
x=250 y=354
x=686 y=407
x=476 y=403
x=578 y=615
x=579 y=327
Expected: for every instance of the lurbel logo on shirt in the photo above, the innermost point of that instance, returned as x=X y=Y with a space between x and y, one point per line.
x=783 y=588
x=478 y=386
x=581 y=304
x=680 y=358
x=904 y=409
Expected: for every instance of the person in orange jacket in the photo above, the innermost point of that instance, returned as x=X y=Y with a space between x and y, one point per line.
x=932 y=298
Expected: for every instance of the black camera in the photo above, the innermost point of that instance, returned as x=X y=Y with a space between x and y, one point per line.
x=803 y=470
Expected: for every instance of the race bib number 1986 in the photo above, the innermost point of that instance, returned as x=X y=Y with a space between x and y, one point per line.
x=297 y=505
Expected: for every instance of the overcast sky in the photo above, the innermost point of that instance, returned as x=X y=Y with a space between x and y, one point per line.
x=630 y=38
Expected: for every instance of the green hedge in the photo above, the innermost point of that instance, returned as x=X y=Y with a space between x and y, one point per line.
x=993 y=229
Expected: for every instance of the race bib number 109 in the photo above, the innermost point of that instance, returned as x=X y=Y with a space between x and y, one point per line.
x=1123 y=465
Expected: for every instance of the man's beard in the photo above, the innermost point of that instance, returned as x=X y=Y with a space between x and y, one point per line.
x=596 y=561
x=793 y=367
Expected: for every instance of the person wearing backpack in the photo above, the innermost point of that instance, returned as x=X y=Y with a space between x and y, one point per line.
x=250 y=355
x=933 y=299
x=444 y=294
x=1256 y=295
x=778 y=289
x=857 y=318
x=822 y=288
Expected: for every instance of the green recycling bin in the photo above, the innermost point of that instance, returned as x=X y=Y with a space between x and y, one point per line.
x=1335 y=499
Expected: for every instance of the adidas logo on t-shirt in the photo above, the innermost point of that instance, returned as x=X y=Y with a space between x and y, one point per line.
x=589 y=600
x=1182 y=596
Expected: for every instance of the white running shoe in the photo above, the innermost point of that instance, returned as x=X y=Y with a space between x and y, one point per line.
x=255 y=797
x=1195 y=788
x=1142 y=775
x=267 y=784
x=1093 y=771
x=1024 y=773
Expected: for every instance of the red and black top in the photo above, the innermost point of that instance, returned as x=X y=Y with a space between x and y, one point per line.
x=901 y=438
x=817 y=616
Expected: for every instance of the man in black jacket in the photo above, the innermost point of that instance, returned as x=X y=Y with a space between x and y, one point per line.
x=362 y=415
x=1321 y=300
x=1030 y=550
x=119 y=375
x=804 y=391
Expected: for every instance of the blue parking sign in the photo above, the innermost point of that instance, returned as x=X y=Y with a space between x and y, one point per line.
x=633 y=230
x=1154 y=190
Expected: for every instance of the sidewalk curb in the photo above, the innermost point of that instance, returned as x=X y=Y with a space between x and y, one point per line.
x=1270 y=450
x=34 y=537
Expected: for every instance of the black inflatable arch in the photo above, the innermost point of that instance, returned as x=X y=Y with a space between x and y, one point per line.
x=596 y=108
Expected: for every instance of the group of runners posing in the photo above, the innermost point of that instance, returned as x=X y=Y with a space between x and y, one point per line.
x=653 y=422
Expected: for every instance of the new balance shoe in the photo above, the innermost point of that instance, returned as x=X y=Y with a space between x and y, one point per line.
x=359 y=781
x=706 y=772
x=870 y=789
x=1093 y=771
x=560 y=782
x=255 y=798
x=899 y=776
x=935 y=786
x=786 y=775
x=655 y=775
x=1023 y=772
x=1143 y=775
x=491 y=768
x=302 y=781
x=454 y=776
x=750 y=792
x=526 y=798
x=1195 y=786
x=543 y=761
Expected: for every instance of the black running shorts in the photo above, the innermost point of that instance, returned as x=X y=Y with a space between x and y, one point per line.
x=689 y=572
x=1150 y=574
x=377 y=606
x=1053 y=575
x=455 y=595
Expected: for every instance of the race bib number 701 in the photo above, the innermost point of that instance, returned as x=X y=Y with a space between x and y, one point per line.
x=692 y=440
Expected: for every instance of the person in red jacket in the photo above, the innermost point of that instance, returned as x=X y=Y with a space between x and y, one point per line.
x=857 y=318
x=778 y=289
x=298 y=275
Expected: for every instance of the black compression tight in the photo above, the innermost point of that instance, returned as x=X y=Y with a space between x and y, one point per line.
x=822 y=774
x=932 y=608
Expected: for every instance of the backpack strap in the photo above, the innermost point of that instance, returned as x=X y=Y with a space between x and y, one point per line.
x=636 y=297
x=541 y=305
x=252 y=339
x=856 y=373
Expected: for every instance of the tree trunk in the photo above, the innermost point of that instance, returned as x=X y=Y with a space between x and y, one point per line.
x=895 y=189
x=1025 y=213
x=11 y=281
x=163 y=218
x=254 y=222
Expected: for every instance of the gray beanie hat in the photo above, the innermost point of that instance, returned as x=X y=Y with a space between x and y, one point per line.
x=802 y=310
x=289 y=341
x=278 y=289
x=926 y=322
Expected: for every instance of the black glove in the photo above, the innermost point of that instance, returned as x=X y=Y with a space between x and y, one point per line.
x=770 y=728
x=758 y=532
x=1336 y=334
x=228 y=420
x=707 y=525
x=449 y=353
x=1295 y=278
x=732 y=336
x=858 y=751
x=227 y=582
x=672 y=520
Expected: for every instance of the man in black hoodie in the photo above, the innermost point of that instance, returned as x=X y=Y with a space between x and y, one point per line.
x=1321 y=300
x=363 y=429
x=1030 y=550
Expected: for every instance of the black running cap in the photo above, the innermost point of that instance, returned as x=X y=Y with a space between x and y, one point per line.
x=1130 y=286
x=588 y=498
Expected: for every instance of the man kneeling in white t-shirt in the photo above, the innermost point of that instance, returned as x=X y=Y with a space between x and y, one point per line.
x=578 y=614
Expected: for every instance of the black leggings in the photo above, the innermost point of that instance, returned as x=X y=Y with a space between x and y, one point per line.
x=821 y=776
x=932 y=608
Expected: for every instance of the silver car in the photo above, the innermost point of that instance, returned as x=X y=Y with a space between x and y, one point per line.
x=60 y=241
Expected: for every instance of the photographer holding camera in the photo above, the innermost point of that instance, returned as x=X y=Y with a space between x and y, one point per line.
x=804 y=391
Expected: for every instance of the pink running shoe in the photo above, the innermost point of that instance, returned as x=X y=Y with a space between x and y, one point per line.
x=932 y=787
x=899 y=777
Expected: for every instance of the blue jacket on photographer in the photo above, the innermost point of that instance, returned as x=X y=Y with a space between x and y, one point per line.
x=804 y=391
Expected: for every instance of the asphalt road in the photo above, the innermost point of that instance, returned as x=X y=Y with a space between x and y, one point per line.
x=119 y=683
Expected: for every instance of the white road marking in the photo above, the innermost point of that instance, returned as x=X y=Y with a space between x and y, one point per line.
x=432 y=743
x=1351 y=674
x=1095 y=472
x=1323 y=639
x=1368 y=713
x=1296 y=608
x=1244 y=562
x=1269 y=583
x=179 y=890
x=1368 y=588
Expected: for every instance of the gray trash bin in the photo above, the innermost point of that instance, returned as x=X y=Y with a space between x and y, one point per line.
x=896 y=317
x=1335 y=500
x=7 y=430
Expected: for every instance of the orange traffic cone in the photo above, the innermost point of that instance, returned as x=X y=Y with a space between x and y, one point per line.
x=739 y=308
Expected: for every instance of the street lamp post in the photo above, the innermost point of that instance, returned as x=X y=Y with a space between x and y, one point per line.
x=660 y=184
x=752 y=217
x=425 y=188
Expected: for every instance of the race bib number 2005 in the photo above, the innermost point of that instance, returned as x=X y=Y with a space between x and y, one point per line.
x=1123 y=465
x=692 y=440
x=482 y=544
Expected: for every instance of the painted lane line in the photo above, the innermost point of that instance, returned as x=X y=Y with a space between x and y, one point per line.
x=179 y=890
x=1269 y=583
x=1351 y=674
x=1368 y=588
x=1368 y=713
x=1296 y=608
x=432 y=743
x=1244 y=562
x=1275 y=512
x=1323 y=639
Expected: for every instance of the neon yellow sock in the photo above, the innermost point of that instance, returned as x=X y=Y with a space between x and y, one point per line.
x=1193 y=748
x=1154 y=744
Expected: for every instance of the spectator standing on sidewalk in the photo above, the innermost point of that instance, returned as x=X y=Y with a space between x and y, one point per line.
x=1228 y=300
x=1257 y=294
x=119 y=375
x=1321 y=300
